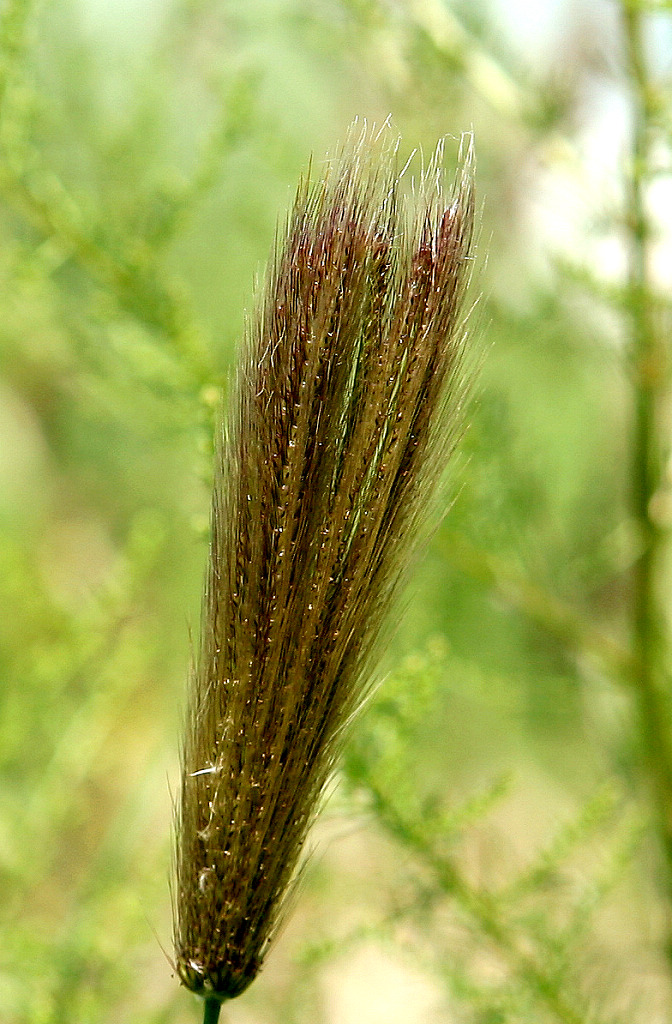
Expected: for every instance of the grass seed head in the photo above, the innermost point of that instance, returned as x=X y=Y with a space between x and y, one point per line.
x=345 y=407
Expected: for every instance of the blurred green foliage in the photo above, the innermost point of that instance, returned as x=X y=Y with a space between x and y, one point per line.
x=503 y=844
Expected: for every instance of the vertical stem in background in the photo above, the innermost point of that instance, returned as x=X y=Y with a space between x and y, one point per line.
x=650 y=383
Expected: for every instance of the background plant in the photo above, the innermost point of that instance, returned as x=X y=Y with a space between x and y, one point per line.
x=498 y=845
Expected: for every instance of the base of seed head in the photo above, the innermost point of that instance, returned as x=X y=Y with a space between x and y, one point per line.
x=219 y=982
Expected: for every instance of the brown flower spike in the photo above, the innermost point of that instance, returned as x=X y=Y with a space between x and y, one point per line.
x=346 y=406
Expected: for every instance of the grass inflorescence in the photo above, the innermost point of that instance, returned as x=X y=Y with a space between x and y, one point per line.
x=347 y=403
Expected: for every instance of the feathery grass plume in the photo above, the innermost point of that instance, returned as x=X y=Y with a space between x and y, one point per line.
x=346 y=405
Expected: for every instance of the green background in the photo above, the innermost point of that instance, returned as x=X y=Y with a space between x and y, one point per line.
x=147 y=153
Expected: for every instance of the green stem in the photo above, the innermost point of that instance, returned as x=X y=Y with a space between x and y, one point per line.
x=211 y=1011
x=650 y=366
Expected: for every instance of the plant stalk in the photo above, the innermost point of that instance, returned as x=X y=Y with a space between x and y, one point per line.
x=650 y=377
x=211 y=1011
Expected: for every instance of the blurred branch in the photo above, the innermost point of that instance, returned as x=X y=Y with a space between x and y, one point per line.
x=95 y=637
x=483 y=910
x=129 y=273
x=485 y=74
x=647 y=6
x=542 y=607
x=439 y=27
x=597 y=813
x=614 y=294
x=13 y=33
x=131 y=279
x=233 y=121
x=649 y=357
